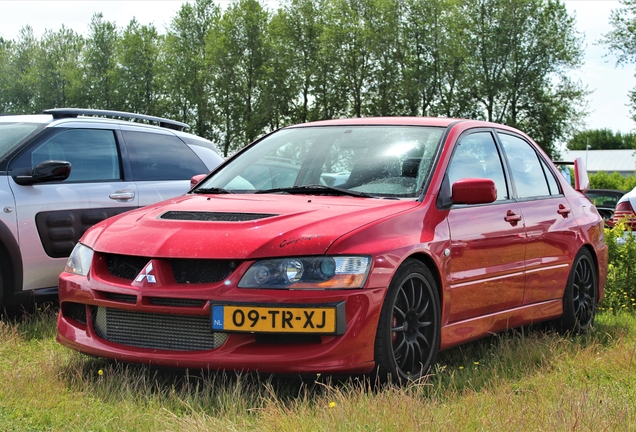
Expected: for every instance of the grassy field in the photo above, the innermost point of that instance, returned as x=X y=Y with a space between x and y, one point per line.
x=519 y=381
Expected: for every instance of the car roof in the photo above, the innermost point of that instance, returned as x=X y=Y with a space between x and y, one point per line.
x=406 y=121
x=27 y=118
x=61 y=115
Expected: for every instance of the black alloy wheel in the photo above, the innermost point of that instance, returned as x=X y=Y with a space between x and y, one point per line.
x=408 y=335
x=580 y=296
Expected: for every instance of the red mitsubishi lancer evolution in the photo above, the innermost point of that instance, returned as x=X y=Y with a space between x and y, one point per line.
x=361 y=246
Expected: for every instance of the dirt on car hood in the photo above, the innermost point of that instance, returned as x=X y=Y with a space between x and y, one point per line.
x=239 y=226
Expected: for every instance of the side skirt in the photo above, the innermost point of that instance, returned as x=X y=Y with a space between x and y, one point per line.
x=475 y=328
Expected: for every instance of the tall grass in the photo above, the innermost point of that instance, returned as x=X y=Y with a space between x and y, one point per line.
x=521 y=380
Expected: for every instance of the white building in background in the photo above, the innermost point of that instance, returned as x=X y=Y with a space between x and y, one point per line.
x=621 y=161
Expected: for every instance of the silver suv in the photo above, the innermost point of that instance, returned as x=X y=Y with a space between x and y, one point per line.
x=66 y=170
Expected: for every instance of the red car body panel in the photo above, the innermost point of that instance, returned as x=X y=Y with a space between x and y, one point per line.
x=493 y=272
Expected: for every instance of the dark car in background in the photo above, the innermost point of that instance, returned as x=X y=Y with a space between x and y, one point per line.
x=605 y=201
x=65 y=170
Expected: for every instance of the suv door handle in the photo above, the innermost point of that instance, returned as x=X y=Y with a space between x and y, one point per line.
x=122 y=195
x=512 y=218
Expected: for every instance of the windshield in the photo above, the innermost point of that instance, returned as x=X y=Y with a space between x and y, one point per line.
x=12 y=133
x=384 y=161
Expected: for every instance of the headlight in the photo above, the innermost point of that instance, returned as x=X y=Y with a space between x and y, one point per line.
x=338 y=272
x=79 y=262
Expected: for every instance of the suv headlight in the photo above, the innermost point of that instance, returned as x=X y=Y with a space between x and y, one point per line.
x=339 y=272
x=79 y=262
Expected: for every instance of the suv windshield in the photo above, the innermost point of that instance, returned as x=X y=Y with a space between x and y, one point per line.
x=12 y=133
x=385 y=161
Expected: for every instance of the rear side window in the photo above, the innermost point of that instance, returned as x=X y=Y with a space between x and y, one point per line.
x=92 y=153
x=527 y=173
x=552 y=181
x=161 y=157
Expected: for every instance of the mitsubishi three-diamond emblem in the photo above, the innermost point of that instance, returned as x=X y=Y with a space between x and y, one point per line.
x=145 y=273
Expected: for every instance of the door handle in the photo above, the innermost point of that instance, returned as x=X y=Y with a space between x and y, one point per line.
x=564 y=211
x=122 y=195
x=512 y=218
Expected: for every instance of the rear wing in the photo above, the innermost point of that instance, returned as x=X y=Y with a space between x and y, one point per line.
x=581 y=180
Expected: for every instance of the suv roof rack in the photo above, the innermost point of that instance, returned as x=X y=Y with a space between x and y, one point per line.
x=59 y=113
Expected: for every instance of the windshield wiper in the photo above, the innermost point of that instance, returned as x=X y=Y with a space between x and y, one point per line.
x=316 y=189
x=212 y=190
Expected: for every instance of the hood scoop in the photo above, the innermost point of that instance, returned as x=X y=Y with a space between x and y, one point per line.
x=214 y=216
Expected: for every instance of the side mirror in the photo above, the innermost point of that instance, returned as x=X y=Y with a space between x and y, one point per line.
x=473 y=191
x=196 y=179
x=47 y=171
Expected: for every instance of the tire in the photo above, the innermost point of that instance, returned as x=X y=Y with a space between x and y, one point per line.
x=580 y=296
x=408 y=335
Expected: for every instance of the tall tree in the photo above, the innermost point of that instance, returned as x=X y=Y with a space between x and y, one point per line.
x=5 y=60
x=348 y=34
x=383 y=94
x=523 y=52
x=100 y=68
x=22 y=89
x=298 y=36
x=245 y=45
x=189 y=78
x=602 y=139
x=281 y=85
x=224 y=70
x=621 y=40
x=58 y=69
x=138 y=54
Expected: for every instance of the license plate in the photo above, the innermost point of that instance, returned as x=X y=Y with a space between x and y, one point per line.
x=266 y=319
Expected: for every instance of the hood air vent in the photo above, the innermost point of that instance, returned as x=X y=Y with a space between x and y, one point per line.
x=214 y=216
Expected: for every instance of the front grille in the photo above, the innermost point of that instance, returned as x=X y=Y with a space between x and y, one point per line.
x=125 y=266
x=185 y=271
x=156 y=331
x=161 y=301
x=214 y=216
x=125 y=298
x=191 y=271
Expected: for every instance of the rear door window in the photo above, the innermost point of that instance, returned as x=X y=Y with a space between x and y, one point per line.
x=155 y=156
x=527 y=172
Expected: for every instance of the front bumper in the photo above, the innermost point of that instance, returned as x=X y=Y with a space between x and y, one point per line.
x=81 y=300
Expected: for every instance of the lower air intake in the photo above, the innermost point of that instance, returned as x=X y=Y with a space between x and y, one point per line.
x=157 y=331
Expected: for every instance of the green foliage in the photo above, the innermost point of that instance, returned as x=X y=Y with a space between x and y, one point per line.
x=621 y=40
x=602 y=139
x=603 y=180
x=138 y=51
x=237 y=73
x=620 y=290
x=99 y=68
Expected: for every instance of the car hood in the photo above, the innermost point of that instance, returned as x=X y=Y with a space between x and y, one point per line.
x=238 y=226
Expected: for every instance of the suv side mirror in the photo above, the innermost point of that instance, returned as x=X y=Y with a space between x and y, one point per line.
x=47 y=171
x=474 y=191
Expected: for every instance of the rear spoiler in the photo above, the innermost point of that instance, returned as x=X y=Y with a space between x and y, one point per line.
x=581 y=180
